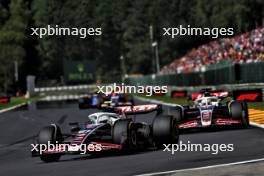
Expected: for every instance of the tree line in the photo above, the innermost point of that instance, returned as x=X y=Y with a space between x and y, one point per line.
x=125 y=27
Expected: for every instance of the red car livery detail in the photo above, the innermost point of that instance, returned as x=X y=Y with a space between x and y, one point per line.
x=217 y=94
x=139 y=108
x=218 y=121
x=226 y=121
x=189 y=124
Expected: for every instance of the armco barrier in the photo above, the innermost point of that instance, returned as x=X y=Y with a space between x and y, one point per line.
x=64 y=91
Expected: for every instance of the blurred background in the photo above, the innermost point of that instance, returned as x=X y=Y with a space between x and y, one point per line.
x=132 y=43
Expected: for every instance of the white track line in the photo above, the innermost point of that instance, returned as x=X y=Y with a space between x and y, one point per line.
x=171 y=104
x=13 y=107
x=205 y=167
x=256 y=124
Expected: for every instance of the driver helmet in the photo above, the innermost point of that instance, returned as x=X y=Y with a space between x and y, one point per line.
x=205 y=102
x=103 y=119
x=207 y=94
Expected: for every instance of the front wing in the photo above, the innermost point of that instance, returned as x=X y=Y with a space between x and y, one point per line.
x=196 y=123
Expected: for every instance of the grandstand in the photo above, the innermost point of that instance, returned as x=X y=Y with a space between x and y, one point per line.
x=243 y=48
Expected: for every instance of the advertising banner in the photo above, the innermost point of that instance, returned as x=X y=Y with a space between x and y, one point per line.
x=79 y=72
x=254 y=95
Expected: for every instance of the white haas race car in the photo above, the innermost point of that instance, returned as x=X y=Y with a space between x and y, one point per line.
x=106 y=131
x=209 y=110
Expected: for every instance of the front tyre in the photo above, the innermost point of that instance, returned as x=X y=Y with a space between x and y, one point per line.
x=50 y=134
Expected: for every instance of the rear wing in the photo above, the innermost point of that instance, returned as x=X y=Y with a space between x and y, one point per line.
x=215 y=93
x=138 y=109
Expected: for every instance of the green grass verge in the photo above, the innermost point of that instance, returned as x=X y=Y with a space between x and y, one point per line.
x=184 y=101
x=17 y=100
x=256 y=105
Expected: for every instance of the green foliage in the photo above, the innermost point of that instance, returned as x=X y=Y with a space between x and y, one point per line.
x=125 y=26
x=12 y=39
x=136 y=37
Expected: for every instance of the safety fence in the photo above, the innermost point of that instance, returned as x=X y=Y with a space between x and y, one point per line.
x=227 y=74
x=64 y=92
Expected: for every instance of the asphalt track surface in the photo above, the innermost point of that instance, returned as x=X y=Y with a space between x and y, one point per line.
x=18 y=128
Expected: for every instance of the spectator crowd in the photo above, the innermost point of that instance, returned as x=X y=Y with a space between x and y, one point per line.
x=244 y=48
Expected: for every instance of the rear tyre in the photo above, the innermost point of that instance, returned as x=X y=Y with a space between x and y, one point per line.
x=50 y=134
x=165 y=131
x=239 y=111
x=124 y=133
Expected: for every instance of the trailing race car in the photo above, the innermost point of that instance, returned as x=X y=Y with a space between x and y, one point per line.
x=106 y=131
x=97 y=100
x=209 y=110
x=118 y=99
x=92 y=101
